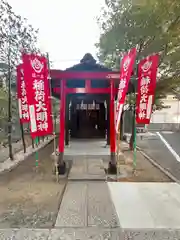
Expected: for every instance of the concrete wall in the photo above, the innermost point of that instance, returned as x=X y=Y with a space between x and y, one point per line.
x=168 y=118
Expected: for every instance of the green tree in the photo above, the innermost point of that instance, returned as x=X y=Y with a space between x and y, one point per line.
x=153 y=26
x=16 y=35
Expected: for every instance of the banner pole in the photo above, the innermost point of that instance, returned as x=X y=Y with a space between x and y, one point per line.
x=36 y=154
x=118 y=149
x=54 y=128
x=134 y=145
x=54 y=132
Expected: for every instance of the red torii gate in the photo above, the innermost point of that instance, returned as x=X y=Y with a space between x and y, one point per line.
x=63 y=91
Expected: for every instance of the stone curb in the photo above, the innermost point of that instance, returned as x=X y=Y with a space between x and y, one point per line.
x=8 y=165
x=166 y=172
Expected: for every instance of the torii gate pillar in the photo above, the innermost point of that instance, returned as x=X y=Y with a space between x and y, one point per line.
x=61 y=163
x=112 y=164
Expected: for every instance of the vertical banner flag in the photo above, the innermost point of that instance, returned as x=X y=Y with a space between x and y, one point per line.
x=147 y=71
x=38 y=94
x=125 y=75
x=22 y=96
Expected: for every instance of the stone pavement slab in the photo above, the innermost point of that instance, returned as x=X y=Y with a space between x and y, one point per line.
x=150 y=234
x=24 y=234
x=85 y=234
x=87 y=169
x=147 y=205
x=60 y=234
x=89 y=233
x=101 y=211
x=73 y=207
x=87 y=148
x=87 y=204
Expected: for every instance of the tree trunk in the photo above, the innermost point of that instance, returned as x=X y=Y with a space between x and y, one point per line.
x=23 y=139
x=9 y=111
x=32 y=142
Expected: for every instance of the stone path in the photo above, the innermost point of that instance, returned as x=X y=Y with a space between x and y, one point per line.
x=86 y=211
x=87 y=204
x=87 y=169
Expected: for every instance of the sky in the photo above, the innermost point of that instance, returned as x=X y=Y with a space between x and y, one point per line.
x=67 y=28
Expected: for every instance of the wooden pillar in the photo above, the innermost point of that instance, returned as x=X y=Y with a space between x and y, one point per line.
x=67 y=122
x=61 y=164
x=108 y=121
x=112 y=164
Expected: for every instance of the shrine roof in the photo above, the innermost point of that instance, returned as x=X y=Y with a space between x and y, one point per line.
x=88 y=63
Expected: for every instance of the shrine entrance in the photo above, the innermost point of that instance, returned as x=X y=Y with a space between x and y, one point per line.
x=87 y=119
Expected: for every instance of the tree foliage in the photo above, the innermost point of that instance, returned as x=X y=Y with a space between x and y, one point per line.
x=4 y=105
x=154 y=26
x=16 y=36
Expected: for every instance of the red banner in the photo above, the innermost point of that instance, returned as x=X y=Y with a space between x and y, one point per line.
x=147 y=71
x=36 y=79
x=22 y=96
x=125 y=75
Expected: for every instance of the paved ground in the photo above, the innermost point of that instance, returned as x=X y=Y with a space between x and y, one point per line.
x=154 y=205
x=173 y=138
x=147 y=210
x=157 y=150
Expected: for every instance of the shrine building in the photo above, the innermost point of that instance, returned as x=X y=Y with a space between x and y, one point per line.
x=87 y=92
